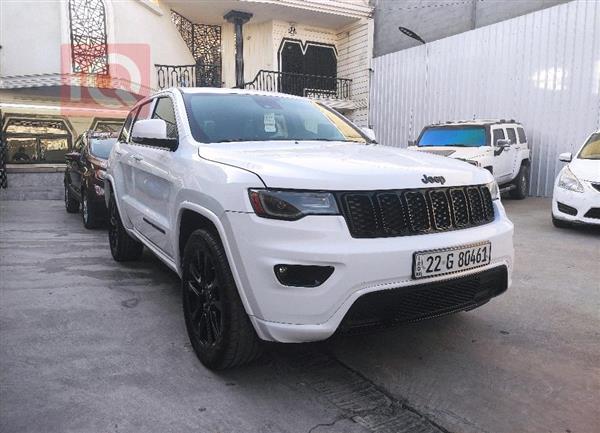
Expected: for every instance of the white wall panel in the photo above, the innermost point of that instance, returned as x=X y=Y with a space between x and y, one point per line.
x=542 y=69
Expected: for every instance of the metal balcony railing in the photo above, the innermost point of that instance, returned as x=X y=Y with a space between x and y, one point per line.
x=311 y=86
x=292 y=83
x=188 y=76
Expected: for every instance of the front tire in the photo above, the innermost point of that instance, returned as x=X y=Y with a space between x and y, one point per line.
x=123 y=247
x=521 y=184
x=217 y=324
x=71 y=203
x=89 y=217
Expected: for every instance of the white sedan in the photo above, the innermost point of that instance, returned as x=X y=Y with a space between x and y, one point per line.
x=576 y=197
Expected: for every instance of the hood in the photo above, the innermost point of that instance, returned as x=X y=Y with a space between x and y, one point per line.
x=342 y=166
x=586 y=169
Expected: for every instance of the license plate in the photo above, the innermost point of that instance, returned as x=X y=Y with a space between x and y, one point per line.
x=450 y=260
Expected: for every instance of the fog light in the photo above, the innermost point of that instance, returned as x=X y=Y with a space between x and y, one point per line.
x=301 y=275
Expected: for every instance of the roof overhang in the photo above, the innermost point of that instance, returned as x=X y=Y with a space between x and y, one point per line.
x=323 y=13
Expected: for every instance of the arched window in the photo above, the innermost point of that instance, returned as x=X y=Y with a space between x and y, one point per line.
x=89 y=50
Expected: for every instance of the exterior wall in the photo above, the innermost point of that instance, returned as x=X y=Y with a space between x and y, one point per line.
x=437 y=19
x=258 y=49
x=134 y=23
x=542 y=69
x=355 y=45
x=26 y=52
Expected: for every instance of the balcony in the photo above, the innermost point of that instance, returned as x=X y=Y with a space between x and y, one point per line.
x=310 y=86
x=188 y=76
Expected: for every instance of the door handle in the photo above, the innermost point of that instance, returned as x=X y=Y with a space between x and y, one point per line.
x=138 y=158
x=118 y=153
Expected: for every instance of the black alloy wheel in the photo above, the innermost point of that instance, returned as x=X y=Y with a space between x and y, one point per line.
x=219 y=329
x=203 y=299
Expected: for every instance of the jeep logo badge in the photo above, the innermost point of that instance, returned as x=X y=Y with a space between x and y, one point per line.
x=433 y=179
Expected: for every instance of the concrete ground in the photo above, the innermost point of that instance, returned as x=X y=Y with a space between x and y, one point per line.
x=89 y=345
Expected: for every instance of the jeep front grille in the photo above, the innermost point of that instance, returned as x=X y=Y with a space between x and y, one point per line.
x=375 y=214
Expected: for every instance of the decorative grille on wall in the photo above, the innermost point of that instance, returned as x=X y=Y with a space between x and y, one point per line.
x=89 y=50
x=204 y=42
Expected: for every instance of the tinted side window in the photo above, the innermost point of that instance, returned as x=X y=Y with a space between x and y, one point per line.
x=497 y=134
x=521 y=132
x=164 y=110
x=124 y=135
x=512 y=135
x=144 y=111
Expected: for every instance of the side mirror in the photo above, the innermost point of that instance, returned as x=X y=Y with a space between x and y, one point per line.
x=565 y=157
x=73 y=156
x=503 y=142
x=152 y=132
x=412 y=143
x=370 y=134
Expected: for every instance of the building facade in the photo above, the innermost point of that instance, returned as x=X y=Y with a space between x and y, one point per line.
x=74 y=65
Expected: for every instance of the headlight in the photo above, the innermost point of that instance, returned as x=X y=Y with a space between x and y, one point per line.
x=494 y=190
x=568 y=181
x=292 y=205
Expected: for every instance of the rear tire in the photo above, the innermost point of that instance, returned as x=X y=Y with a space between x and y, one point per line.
x=217 y=324
x=521 y=184
x=89 y=217
x=560 y=223
x=71 y=203
x=123 y=247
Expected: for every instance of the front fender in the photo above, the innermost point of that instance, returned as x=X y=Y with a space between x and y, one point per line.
x=227 y=245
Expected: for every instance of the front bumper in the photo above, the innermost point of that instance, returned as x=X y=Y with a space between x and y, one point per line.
x=362 y=266
x=585 y=203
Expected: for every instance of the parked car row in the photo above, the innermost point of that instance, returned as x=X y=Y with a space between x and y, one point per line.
x=287 y=223
x=84 y=176
x=501 y=147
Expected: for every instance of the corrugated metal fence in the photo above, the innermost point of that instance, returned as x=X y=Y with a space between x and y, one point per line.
x=542 y=69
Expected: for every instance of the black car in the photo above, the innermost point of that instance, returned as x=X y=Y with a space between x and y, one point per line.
x=84 y=176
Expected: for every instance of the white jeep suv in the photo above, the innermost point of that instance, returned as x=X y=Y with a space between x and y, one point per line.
x=286 y=223
x=499 y=146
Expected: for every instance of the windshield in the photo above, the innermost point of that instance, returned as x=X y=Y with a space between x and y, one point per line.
x=591 y=149
x=472 y=136
x=218 y=118
x=100 y=147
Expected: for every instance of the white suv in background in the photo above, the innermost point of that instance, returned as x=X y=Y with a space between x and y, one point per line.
x=576 y=197
x=286 y=223
x=499 y=146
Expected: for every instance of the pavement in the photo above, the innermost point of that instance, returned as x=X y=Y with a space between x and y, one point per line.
x=90 y=345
